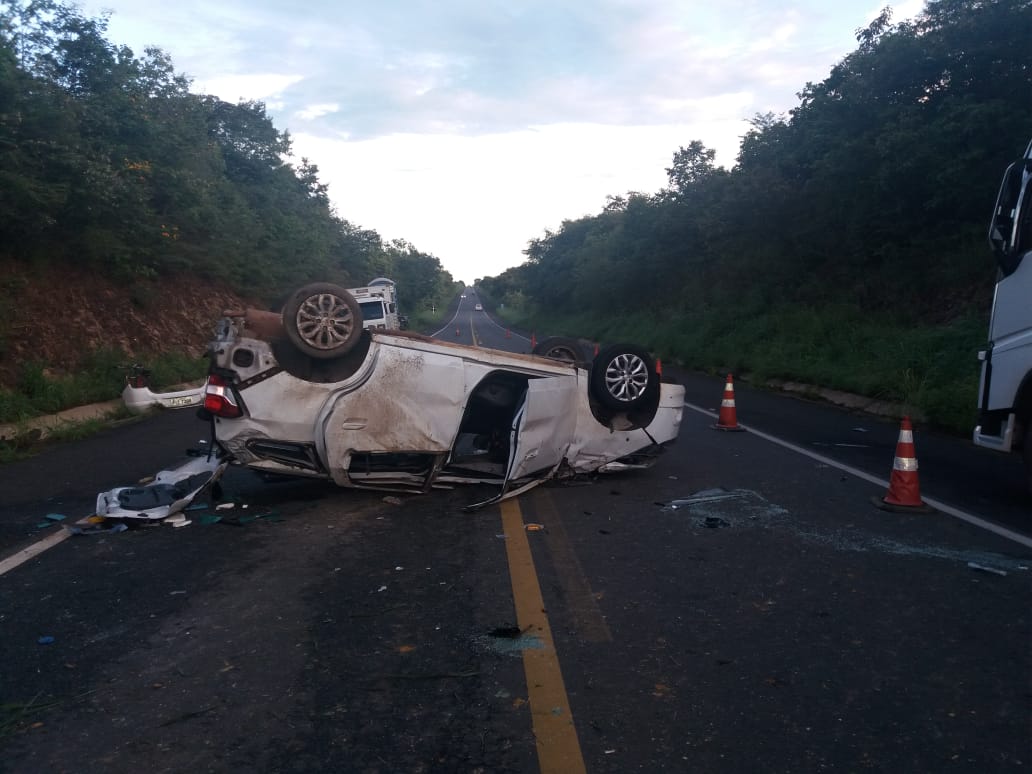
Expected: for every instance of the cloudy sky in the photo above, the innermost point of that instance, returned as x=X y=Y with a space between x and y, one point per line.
x=469 y=127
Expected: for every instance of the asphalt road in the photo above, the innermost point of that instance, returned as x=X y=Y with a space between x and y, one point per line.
x=739 y=607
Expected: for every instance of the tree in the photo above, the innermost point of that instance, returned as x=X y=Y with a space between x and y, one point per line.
x=690 y=166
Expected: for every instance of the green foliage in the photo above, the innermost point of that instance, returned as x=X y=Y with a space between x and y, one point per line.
x=108 y=159
x=100 y=378
x=845 y=248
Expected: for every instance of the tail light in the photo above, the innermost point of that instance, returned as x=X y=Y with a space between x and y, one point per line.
x=219 y=398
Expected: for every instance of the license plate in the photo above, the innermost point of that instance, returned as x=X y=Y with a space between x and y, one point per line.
x=185 y=400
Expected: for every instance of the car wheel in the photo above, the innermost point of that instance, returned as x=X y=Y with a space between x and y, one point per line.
x=624 y=378
x=560 y=348
x=322 y=320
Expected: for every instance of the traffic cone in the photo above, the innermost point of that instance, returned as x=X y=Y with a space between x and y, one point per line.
x=727 y=419
x=904 y=495
x=596 y=349
x=533 y=340
x=659 y=367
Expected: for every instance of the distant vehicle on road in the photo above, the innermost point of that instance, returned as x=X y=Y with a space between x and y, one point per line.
x=378 y=303
x=478 y=308
x=309 y=392
x=1005 y=391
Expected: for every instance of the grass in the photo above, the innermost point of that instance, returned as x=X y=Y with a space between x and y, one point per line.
x=932 y=371
x=40 y=390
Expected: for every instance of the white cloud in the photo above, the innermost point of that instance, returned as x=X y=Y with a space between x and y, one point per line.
x=315 y=111
x=252 y=86
x=468 y=127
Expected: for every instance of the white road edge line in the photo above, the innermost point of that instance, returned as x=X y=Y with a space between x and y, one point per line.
x=34 y=550
x=1017 y=537
x=502 y=328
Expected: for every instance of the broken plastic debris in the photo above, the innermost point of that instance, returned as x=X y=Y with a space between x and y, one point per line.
x=55 y=517
x=95 y=529
x=225 y=506
x=170 y=493
x=983 y=568
x=534 y=527
x=704 y=496
x=382 y=588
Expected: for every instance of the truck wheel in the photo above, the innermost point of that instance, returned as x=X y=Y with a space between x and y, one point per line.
x=624 y=378
x=560 y=348
x=322 y=320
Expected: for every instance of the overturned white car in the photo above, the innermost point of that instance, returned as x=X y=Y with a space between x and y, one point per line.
x=310 y=393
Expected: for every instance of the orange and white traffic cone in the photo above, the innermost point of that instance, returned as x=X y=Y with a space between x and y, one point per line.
x=904 y=495
x=727 y=419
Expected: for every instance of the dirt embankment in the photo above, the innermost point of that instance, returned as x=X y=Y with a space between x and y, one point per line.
x=56 y=315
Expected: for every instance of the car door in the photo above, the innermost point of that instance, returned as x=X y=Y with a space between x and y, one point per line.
x=543 y=427
x=542 y=432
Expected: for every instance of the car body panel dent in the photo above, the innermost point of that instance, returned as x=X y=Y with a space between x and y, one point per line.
x=544 y=426
x=411 y=402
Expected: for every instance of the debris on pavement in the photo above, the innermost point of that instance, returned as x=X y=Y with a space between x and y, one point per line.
x=50 y=520
x=171 y=492
x=704 y=496
x=983 y=568
x=46 y=640
x=391 y=500
x=96 y=528
x=534 y=527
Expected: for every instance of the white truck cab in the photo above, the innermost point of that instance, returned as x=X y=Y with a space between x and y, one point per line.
x=379 y=304
x=1005 y=391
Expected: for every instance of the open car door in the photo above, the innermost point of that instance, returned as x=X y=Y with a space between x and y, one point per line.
x=542 y=431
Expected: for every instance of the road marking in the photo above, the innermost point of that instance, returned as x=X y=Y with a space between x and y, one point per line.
x=502 y=328
x=35 y=549
x=586 y=618
x=949 y=510
x=557 y=746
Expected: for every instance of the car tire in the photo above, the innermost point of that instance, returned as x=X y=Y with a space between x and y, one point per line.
x=560 y=348
x=322 y=320
x=624 y=378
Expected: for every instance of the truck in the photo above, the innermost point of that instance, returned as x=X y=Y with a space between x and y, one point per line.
x=378 y=301
x=1005 y=389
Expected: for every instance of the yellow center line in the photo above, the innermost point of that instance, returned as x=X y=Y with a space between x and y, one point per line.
x=556 y=737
